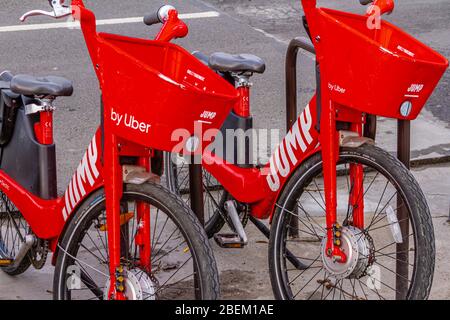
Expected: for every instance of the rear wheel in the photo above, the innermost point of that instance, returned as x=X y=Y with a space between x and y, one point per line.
x=182 y=261
x=13 y=230
x=392 y=257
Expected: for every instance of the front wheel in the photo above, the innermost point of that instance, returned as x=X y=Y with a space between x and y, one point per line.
x=391 y=257
x=182 y=261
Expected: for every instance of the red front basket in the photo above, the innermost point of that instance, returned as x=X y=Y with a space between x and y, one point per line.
x=154 y=88
x=376 y=70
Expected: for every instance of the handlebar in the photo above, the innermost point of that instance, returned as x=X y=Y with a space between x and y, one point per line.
x=159 y=16
x=172 y=27
x=151 y=19
x=384 y=6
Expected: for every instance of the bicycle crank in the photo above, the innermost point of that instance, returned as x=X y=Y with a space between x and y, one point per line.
x=358 y=247
x=25 y=247
x=5 y=260
x=238 y=239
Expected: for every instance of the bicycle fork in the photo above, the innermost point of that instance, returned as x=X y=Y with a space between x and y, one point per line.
x=329 y=139
x=113 y=193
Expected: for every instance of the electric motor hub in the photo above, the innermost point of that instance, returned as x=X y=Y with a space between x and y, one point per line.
x=357 y=246
x=138 y=285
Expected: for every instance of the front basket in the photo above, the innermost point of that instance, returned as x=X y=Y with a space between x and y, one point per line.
x=155 y=93
x=376 y=70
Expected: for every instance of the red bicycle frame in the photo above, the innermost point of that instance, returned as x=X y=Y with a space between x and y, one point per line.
x=260 y=188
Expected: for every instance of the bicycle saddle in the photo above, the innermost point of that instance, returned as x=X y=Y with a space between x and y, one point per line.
x=201 y=56
x=225 y=62
x=41 y=86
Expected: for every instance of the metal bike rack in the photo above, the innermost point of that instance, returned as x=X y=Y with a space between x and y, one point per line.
x=196 y=197
x=291 y=96
x=291 y=77
x=196 y=189
x=403 y=152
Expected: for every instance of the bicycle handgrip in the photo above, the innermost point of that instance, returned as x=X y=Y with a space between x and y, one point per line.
x=152 y=18
x=365 y=2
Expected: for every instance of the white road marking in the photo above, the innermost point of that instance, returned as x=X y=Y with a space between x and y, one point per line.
x=411 y=96
x=284 y=42
x=76 y=24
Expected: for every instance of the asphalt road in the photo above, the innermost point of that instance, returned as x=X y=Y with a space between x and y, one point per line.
x=261 y=27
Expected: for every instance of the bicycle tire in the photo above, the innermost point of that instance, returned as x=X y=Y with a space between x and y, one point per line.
x=407 y=187
x=182 y=217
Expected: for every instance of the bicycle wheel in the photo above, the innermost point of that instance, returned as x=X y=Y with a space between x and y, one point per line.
x=214 y=196
x=182 y=262
x=392 y=257
x=13 y=230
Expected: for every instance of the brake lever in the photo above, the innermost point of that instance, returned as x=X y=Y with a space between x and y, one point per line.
x=59 y=11
x=37 y=13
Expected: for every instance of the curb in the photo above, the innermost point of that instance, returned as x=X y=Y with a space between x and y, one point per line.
x=416 y=163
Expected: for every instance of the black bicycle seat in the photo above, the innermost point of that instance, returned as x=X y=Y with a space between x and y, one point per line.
x=41 y=86
x=225 y=62
x=201 y=56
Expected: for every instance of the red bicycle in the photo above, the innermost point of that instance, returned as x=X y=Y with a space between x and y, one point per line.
x=348 y=220
x=114 y=233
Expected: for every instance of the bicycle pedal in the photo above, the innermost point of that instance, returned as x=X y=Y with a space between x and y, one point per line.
x=229 y=240
x=124 y=218
x=4 y=259
x=6 y=262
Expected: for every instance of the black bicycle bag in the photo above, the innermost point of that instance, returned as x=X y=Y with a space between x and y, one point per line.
x=9 y=104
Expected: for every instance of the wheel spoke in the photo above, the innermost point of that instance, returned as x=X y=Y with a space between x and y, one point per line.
x=378 y=191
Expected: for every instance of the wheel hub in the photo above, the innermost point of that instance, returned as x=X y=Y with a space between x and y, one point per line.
x=138 y=286
x=358 y=248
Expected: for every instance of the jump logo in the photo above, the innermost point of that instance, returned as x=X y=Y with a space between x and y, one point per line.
x=86 y=174
x=298 y=136
x=415 y=88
